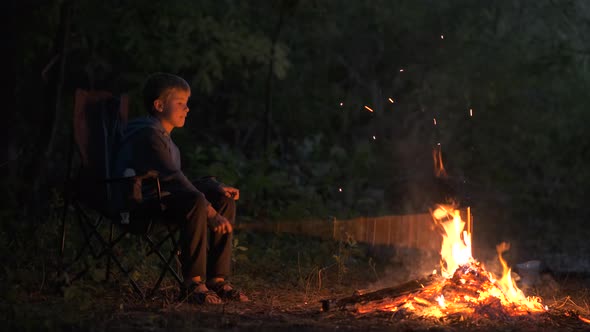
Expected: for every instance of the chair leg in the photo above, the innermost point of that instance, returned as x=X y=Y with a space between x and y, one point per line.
x=88 y=230
x=166 y=261
x=163 y=274
x=158 y=244
x=63 y=226
x=83 y=224
x=91 y=231
x=126 y=272
x=176 y=247
x=108 y=250
x=67 y=194
x=168 y=267
x=108 y=269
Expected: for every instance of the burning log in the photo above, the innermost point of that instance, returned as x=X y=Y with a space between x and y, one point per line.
x=382 y=295
x=467 y=281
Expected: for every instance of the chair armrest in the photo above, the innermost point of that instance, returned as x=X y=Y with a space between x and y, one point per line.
x=135 y=196
x=148 y=175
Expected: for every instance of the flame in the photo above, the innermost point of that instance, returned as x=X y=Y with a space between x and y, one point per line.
x=508 y=285
x=456 y=253
x=464 y=286
x=439 y=167
x=456 y=244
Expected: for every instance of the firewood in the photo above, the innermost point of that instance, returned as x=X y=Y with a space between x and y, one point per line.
x=385 y=294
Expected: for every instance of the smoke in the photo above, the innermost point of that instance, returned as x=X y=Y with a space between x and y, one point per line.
x=406 y=264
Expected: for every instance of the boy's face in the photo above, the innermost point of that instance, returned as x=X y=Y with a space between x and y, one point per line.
x=172 y=111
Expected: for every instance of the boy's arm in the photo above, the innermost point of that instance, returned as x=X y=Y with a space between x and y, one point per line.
x=153 y=153
x=209 y=184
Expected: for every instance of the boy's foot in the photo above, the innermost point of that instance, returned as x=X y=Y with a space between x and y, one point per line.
x=226 y=291
x=200 y=294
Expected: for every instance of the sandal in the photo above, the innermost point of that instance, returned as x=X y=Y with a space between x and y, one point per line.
x=200 y=294
x=226 y=291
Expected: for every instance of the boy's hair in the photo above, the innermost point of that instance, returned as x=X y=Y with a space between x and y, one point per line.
x=159 y=85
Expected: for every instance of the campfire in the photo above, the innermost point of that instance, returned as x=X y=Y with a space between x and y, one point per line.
x=463 y=288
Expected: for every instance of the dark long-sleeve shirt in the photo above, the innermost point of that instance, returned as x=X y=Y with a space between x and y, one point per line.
x=147 y=146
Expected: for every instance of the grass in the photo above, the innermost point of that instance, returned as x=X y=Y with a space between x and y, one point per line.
x=284 y=275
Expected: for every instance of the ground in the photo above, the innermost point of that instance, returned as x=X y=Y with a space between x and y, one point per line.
x=285 y=277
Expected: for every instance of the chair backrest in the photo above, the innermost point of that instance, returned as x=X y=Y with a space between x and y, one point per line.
x=99 y=121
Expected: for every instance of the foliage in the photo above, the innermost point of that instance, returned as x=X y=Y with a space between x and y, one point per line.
x=521 y=66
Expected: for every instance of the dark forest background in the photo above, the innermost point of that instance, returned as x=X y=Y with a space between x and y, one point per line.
x=279 y=90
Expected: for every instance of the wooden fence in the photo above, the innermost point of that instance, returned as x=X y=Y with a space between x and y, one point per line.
x=406 y=231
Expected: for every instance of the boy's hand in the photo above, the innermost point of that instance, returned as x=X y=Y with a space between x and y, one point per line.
x=219 y=224
x=230 y=192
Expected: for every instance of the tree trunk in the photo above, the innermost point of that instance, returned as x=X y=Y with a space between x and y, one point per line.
x=52 y=112
x=9 y=152
x=269 y=78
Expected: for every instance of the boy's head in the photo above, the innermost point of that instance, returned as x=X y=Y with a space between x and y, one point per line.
x=165 y=96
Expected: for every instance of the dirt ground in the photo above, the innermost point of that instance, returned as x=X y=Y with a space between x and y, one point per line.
x=283 y=310
x=285 y=296
x=270 y=309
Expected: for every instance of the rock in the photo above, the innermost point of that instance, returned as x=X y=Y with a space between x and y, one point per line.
x=535 y=274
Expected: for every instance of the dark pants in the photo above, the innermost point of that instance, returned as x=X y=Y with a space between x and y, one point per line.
x=199 y=257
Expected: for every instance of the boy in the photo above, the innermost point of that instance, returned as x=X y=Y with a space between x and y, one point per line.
x=146 y=145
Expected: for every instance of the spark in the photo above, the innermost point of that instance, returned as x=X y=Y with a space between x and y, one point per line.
x=434 y=121
x=340 y=189
x=341 y=104
x=390 y=100
x=438 y=143
x=471 y=112
x=374 y=138
x=442 y=37
x=401 y=70
x=369 y=109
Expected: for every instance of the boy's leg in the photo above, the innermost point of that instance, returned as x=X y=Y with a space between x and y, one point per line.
x=190 y=211
x=220 y=245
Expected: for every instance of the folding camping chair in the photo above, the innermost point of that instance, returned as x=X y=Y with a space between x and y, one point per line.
x=95 y=197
